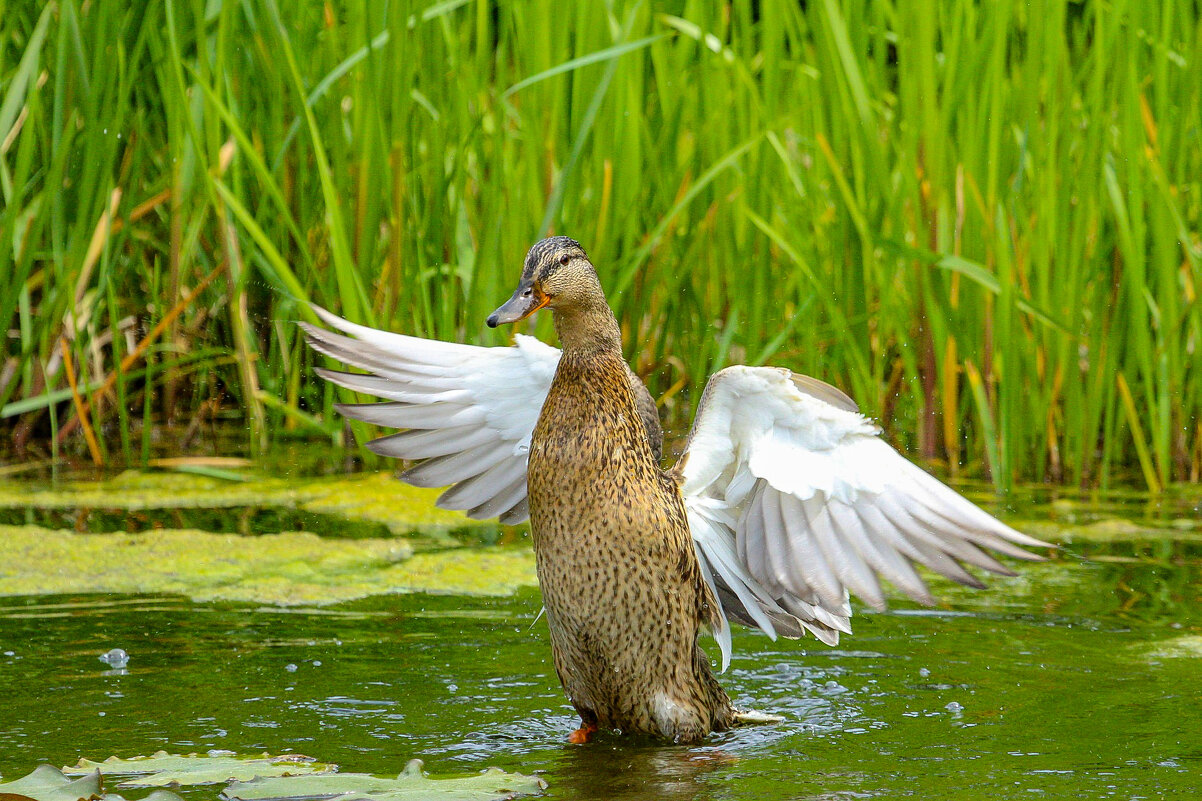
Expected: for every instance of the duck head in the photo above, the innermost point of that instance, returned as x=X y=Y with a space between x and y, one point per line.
x=557 y=274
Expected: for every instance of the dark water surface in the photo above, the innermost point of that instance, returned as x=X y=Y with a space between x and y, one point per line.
x=1079 y=679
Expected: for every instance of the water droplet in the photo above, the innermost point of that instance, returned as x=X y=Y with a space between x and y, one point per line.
x=291 y=668
x=924 y=672
x=116 y=658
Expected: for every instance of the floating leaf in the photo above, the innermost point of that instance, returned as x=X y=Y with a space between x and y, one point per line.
x=219 y=462
x=261 y=778
x=47 y=783
x=411 y=785
x=155 y=795
x=163 y=769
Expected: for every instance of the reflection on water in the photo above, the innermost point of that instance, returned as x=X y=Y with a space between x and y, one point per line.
x=1075 y=679
x=615 y=768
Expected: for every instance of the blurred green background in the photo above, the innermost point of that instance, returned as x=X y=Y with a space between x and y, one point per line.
x=980 y=219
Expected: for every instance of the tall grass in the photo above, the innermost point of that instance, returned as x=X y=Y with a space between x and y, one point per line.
x=981 y=219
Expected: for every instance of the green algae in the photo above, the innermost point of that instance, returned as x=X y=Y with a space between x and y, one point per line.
x=288 y=568
x=371 y=497
x=135 y=490
x=1115 y=529
x=1186 y=647
x=173 y=533
x=379 y=497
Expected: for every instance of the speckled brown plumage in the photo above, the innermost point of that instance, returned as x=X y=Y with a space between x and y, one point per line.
x=620 y=579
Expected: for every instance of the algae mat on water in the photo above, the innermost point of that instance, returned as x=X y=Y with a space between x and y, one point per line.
x=288 y=568
x=375 y=497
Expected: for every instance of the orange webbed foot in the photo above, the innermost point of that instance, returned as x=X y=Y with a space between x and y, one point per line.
x=583 y=734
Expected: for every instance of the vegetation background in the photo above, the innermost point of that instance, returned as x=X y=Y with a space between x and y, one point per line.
x=980 y=219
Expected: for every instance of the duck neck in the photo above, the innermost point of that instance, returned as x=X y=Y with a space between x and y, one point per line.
x=588 y=330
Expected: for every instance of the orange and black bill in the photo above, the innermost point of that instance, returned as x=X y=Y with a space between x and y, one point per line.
x=526 y=300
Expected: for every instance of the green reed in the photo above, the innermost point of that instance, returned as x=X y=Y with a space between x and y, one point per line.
x=980 y=219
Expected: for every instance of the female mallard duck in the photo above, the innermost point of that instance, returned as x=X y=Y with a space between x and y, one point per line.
x=784 y=500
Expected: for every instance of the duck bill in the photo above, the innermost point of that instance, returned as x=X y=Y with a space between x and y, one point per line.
x=518 y=307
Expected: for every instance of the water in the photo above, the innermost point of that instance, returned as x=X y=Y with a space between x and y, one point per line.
x=1078 y=679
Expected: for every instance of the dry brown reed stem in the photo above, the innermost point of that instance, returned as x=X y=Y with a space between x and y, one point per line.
x=81 y=411
x=137 y=352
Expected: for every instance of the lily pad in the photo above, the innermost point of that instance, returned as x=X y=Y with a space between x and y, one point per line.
x=163 y=769
x=411 y=785
x=259 y=779
x=286 y=569
x=47 y=783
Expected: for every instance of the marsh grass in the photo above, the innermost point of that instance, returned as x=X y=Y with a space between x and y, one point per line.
x=981 y=219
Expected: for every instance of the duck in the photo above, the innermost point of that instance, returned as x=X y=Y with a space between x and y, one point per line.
x=784 y=501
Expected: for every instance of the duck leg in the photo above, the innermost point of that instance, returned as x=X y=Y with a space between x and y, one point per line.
x=583 y=734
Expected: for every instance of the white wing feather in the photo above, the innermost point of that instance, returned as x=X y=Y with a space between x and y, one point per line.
x=794 y=500
x=469 y=411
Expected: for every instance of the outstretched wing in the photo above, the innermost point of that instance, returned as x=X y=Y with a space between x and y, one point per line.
x=468 y=411
x=793 y=500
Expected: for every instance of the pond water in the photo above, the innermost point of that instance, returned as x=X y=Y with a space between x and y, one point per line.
x=1077 y=679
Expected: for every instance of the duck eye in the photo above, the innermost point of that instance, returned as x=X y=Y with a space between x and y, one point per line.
x=564 y=259
x=528 y=293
